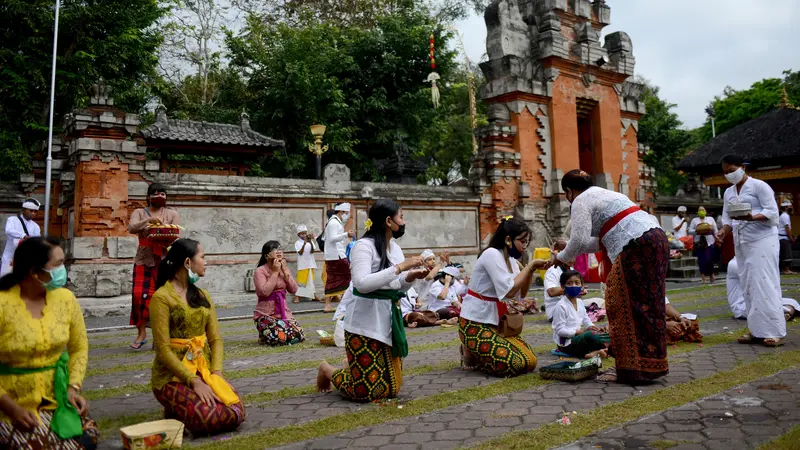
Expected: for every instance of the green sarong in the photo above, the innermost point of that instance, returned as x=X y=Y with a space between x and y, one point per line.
x=399 y=341
x=66 y=422
x=585 y=343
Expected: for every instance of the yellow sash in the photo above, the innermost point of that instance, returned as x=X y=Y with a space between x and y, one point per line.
x=196 y=362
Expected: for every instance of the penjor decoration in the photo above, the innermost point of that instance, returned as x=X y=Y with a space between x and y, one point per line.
x=433 y=77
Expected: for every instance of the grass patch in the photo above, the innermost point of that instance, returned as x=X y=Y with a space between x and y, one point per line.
x=787 y=441
x=119 y=391
x=554 y=435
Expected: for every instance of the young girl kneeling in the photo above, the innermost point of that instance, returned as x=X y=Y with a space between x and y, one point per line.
x=573 y=331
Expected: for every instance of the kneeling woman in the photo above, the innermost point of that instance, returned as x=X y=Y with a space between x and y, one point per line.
x=497 y=276
x=43 y=354
x=274 y=321
x=187 y=372
x=573 y=331
x=375 y=340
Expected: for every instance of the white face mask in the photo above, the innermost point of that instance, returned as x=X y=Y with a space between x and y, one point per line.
x=735 y=177
x=345 y=217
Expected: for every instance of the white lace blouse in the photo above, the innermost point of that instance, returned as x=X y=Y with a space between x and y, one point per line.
x=370 y=317
x=590 y=211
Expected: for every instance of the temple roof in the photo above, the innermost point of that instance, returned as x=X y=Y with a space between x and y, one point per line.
x=192 y=131
x=768 y=139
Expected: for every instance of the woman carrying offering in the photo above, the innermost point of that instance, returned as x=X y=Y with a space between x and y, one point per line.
x=274 y=320
x=187 y=371
x=573 y=331
x=636 y=284
x=148 y=256
x=704 y=241
x=755 y=237
x=375 y=339
x=496 y=276
x=43 y=355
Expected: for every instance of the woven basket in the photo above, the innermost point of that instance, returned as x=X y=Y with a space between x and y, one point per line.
x=163 y=233
x=327 y=341
x=704 y=228
x=561 y=371
x=158 y=435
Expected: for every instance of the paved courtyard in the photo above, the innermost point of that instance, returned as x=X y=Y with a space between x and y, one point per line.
x=718 y=395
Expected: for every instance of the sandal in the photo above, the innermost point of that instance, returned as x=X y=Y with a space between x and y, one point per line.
x=137 y=345
x=609 y=376
x=772 y=342
x=746 y=339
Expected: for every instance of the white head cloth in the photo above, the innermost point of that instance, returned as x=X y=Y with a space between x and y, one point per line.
x=452 y=271
x=31 y=204
x=301 y=228
x=427 y=254
x=342 y=207
x=786 y=203
x=682 y=209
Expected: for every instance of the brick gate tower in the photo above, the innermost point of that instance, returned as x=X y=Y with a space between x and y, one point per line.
x=558 y=100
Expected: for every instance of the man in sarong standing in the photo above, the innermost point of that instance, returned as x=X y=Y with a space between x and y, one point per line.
x=337 y=267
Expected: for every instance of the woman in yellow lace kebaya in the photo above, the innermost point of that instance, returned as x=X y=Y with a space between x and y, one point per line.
x=187 y=372
x=40 y=402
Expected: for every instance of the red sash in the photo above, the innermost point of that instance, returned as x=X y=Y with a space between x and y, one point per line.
x=502 y=308
x=605 y=267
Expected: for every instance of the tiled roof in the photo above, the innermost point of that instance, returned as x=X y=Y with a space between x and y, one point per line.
x=207 y=132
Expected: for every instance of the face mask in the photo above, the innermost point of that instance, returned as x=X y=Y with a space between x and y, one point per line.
x=573 y=291
x=401 y=230
x=701 y=214
x=513 y=251
x=735 y=177
x=58 y=278
x=345 y=217
x=158 y=202
x=193 y=277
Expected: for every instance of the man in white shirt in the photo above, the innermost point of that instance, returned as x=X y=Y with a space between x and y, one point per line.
x=305 y=247
x=19 y=228
x=337 y=267
x=785 y=237
x=680 y=223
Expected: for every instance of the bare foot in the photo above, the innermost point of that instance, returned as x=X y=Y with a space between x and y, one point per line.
x=601 y=353
x=452 y=321
x=324 y=377
x=412 y=325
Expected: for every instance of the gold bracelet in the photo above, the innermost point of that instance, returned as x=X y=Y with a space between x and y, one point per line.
x=76 y=387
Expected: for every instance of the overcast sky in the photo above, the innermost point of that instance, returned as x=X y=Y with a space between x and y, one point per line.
x=692 y=49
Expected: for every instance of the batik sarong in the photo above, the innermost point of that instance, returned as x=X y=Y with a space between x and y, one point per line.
x=43 y=438
x=144 y=286
x=273 y=331
x=182 y=403
x=337 y=277
x=496 y=355
x=421 y=318
x=373 y=373
x=636 y=308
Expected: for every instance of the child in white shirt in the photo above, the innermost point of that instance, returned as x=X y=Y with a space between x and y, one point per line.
x=442 y=297
x=573 y=331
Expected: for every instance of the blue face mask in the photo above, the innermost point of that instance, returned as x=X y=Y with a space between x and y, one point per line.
x=58 y=278
x=573 y=291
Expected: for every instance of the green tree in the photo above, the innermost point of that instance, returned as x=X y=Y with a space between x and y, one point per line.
x=111 y=39
x=365 y=83
x=660 y=129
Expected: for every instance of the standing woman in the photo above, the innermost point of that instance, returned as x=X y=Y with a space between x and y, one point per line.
x=43 y=354
x=375 y=340
x=496 y=276
x=148 y=257
x=274 y=320
x=755 y=237
x=704 y=241
x=187 y=371
x=609 y=221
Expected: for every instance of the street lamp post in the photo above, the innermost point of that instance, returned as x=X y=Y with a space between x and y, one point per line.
x=317 y=148
x=49 y=164
x=713 y=114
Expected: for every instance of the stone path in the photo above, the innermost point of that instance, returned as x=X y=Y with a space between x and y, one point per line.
x=283 y=398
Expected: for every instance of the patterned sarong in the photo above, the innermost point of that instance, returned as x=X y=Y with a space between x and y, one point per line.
x=337 y=277
x=183 y=404
x=43 y=438
x=636 y=308
x=274 y=331
x=497 y=355
x=373 y=373
x=144 y=286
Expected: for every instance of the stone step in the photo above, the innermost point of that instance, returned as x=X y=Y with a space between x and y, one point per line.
x=685 y=272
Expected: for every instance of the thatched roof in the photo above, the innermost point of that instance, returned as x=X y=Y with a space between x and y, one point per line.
x=770 y=139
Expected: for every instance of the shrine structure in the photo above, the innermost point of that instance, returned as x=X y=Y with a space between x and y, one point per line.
x=558 y=100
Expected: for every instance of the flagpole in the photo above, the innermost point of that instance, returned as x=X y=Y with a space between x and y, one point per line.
x=49 y=164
